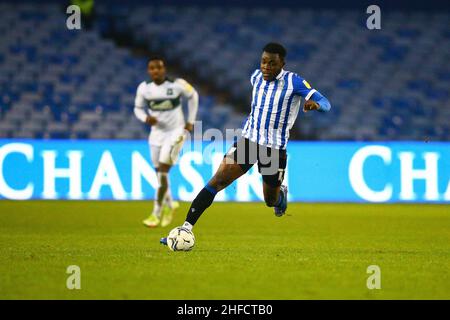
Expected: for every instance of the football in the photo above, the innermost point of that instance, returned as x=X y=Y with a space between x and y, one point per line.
x=180 y=239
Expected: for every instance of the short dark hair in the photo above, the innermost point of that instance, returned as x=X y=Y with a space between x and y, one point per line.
x=273 y=47
x=157 y=57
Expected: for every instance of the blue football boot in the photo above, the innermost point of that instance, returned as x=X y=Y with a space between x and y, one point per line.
x=280 y=210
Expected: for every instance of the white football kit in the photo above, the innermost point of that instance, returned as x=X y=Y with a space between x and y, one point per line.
x=164 y=103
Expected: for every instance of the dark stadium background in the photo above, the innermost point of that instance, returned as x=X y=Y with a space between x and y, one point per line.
x=71 y=94
x=66 y=102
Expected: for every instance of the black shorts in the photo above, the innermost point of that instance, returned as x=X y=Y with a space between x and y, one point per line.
x=271 y=162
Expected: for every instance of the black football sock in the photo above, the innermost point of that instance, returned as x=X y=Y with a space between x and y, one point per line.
x=200 y=204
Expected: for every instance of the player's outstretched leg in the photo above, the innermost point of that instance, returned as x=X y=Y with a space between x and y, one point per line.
x=161 y=195
x=225 y=175
x=168 y=212
x=164 y=202
x=170 y=206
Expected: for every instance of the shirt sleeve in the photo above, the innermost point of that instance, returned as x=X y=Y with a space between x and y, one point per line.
x=186 y=89
x=324 y=104
x=304 y=89
x=139 y=104
x=191 y=95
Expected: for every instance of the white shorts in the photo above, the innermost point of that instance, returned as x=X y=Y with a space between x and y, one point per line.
x=168 y=147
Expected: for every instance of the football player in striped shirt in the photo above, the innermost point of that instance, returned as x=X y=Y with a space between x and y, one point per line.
x=158 y=104
x=276 y=99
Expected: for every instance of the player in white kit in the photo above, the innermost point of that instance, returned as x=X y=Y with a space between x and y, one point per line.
x=158 y=104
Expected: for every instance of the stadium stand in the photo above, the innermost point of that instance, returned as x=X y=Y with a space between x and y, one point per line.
x=60 y=84
x=388 y=84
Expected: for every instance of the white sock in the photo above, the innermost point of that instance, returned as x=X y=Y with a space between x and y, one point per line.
x=188 y=226
x=157 y=209
x=168 y=197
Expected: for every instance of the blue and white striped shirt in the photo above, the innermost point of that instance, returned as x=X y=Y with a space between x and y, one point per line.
x=275 y=105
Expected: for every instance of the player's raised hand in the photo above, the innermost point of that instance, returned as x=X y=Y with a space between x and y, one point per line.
x=189 y=127
x=151 y=120
x=310 y=105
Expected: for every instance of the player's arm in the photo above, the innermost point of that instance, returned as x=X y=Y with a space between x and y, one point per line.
x=192 y=102
x=140 y=110
x=317 y=102
x=314 y=100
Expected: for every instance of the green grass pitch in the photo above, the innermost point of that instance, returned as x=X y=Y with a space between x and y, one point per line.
x=316 y=251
